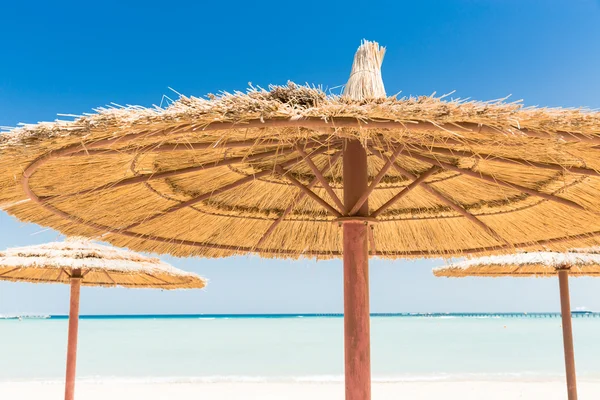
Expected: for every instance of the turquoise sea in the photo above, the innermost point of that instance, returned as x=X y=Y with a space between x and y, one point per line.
x=295 y=348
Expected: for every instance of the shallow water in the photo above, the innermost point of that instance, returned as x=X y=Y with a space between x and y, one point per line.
x=212 y=349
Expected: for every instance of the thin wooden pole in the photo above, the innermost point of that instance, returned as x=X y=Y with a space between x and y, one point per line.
x=357 y=347
x=72 y=339
x=565 y=311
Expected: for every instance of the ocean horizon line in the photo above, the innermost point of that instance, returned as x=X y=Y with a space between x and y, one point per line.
x=516 y=314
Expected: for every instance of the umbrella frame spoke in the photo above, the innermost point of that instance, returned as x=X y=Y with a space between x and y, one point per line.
x=158 y=279
x=62 y=271
x=109 y=277
x=167 y=174
x=198 y=199
x=418 y=180
x=320 y=178
x=332 y=161
x=491 y=179
x=5 y=273
x=453 y=205
x=390 y=161
x=284 y=173
x=210 y=194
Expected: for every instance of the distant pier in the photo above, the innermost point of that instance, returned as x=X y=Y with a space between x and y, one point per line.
x=574 y=314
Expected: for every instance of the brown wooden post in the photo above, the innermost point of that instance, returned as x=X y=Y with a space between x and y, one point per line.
x=72 y=339
x=357 y=347
x=565 y=310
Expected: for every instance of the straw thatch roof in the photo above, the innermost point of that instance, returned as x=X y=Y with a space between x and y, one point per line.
x=98 y=265
x=579 y=263
x=261 y=172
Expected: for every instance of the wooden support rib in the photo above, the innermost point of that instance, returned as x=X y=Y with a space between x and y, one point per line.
x=157 y=278
x=9 y=271
x=109 y=277
x=62 y=271
x=376 y=181
x=321 y=178
x=218 y=191
x=507 y=160
x=166 y=174
x=491 y=179
x=418 y=180
x=459 y=209
x=308 y=192
x=333 y=160
x=448 y=202
x=200 y=198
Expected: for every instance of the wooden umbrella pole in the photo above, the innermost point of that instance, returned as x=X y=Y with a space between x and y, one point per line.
x=72 y=339
x=357 y=345
x=565 y=311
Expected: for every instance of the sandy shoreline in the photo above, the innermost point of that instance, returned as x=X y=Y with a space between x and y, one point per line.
x=477 y=390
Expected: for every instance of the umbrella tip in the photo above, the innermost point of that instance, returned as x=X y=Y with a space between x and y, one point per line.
x=365 y=80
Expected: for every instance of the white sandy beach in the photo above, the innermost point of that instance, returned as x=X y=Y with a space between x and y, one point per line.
x=479 y=390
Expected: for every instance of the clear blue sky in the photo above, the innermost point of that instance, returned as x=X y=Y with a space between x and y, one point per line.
x=68 y=57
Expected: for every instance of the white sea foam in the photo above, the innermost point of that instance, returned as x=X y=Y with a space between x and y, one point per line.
x=404 y=378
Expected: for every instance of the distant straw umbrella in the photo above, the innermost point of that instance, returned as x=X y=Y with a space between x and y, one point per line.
x=79 y=262
x=544 y=264
x=294 y=172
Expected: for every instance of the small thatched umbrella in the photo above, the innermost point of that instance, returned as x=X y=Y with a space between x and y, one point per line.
x=278 y=172
x=584 y=262
x=79 y=262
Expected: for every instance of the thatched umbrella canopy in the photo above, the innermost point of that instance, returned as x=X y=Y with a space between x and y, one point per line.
x=98 y=265
x=80 y=262
x=278 y=172
x=580 y=262
x=534 y=264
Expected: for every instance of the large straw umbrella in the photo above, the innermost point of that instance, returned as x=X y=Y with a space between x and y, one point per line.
x=79 y=262
x=542 y=264
x=291 y=172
